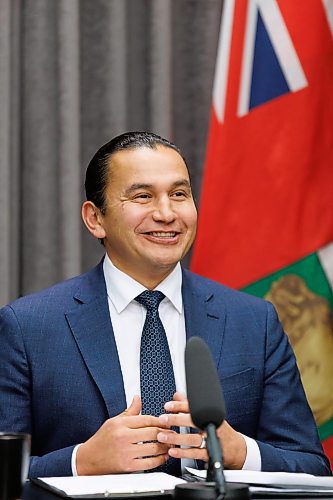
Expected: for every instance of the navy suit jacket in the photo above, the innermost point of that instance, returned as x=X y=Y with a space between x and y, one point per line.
x=60 y=376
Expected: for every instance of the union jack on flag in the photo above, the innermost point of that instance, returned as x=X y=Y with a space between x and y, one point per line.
x=266 y=39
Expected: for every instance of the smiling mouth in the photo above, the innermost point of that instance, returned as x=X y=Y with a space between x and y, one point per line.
x=159 y=234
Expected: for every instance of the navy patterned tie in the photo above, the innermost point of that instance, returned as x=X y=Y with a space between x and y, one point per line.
x=157 y=379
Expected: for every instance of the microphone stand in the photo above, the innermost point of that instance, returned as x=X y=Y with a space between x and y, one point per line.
x=215 y=487
x=207 y=409
x=215 y=472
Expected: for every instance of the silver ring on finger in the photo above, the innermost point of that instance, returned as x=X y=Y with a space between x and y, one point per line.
x=203 y=442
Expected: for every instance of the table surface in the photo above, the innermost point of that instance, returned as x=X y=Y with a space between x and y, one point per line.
x=34 y=492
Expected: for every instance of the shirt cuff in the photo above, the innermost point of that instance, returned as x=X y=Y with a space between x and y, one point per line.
x=253 y=457
x=73 y=461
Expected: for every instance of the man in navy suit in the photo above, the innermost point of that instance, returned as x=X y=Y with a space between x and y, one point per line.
x=70 y=355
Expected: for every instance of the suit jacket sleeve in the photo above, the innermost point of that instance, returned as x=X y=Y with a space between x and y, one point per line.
x=15 y=397
x=286 y=435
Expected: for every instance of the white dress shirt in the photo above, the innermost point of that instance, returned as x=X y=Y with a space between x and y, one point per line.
x=128 y=317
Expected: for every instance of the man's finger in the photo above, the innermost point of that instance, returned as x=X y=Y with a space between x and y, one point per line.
x=177 y=406
x=134 y=408
x=177 y=419
x=142 y=421
x=140 y=464
x=193 y=453
x=150 y=449
x=174 y=439
x=179 y=396
x=144 y=434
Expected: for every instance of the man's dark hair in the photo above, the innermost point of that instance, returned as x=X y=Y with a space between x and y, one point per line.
x=98 y=171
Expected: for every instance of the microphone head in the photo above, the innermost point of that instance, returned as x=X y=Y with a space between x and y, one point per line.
x=204 y=390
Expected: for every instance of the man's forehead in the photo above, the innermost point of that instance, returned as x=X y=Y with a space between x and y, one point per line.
x=143 y=162
x=142 y=151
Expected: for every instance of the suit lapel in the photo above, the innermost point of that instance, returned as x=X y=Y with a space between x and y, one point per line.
x=204 y=313
x=91 y=326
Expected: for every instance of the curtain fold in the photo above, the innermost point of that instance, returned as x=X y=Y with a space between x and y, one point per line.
x=69 y=161
x=10 y=148
x=161 y=104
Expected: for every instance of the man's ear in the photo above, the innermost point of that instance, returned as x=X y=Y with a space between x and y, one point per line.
x=93 y=218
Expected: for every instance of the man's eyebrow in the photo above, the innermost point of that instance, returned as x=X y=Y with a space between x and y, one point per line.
x=182 y=183
x=137 y=186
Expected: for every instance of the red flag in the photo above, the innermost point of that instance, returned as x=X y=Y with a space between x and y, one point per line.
x=268 y=183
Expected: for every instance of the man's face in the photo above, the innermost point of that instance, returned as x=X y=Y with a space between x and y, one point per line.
x=150 y=221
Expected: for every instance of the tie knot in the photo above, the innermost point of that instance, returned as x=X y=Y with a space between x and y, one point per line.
x=150 y=299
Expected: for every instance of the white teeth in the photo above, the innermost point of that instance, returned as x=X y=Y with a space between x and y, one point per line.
x=163 y=235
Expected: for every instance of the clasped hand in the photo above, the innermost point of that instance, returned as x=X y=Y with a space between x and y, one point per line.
x=188 y=445
x=131 y=442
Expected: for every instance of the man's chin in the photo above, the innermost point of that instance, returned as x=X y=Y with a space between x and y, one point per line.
x=164 y=264
x=166 y=259
x=159 y=267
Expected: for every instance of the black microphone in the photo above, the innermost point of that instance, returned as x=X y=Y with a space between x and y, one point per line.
x=204 y=391
x=207 y=408
x=206 y=403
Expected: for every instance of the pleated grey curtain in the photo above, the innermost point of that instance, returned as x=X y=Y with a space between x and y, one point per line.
x=73 y=74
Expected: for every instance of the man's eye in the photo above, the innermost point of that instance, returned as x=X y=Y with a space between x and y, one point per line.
x=179 y=194
x=143 y=196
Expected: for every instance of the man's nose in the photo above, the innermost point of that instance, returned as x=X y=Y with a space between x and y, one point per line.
x=163 y=210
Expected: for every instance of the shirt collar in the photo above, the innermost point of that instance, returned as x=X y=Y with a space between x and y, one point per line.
x=122 y=289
